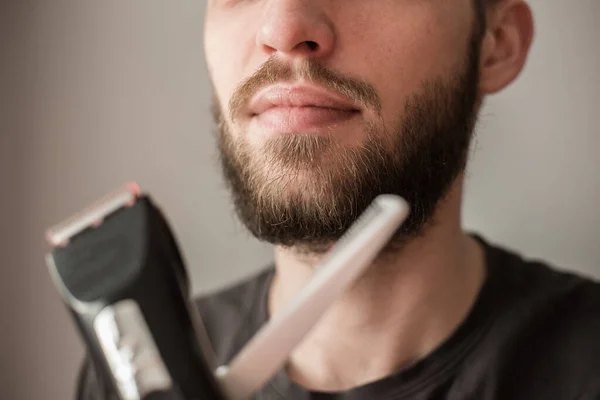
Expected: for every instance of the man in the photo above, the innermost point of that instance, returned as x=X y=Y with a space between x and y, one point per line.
x=321 y=105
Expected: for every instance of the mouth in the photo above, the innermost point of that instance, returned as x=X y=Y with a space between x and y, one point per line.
x=306 y=109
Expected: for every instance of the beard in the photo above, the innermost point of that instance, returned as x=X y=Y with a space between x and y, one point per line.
x=305 y=191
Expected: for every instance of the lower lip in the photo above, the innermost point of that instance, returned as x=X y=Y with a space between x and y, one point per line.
x=282 y=120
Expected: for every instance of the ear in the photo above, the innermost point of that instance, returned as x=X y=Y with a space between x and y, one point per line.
x=506 y=44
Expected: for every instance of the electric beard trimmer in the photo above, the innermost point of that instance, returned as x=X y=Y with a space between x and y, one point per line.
x=118 y=269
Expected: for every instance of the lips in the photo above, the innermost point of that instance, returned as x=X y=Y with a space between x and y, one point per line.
x=291 y=97
x=299 y=109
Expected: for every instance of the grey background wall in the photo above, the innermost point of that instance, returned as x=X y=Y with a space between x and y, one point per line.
x=93 y=94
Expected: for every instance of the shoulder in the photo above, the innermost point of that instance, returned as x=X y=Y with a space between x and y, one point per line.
x=539 y=293
x=231 y=315
x=549 y=323
x=559 y=349
x=533 y=283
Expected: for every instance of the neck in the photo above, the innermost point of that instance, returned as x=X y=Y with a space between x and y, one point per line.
x=400 y=310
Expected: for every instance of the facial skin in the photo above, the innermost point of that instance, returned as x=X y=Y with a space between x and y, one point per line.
x=402 y=78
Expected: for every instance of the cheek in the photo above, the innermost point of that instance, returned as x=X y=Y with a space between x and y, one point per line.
x=399 y=59
x=227 y=48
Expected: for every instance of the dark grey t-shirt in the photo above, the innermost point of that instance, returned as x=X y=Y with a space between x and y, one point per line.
x=533 y=334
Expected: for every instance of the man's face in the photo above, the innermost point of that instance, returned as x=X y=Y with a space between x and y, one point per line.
x=324 y=104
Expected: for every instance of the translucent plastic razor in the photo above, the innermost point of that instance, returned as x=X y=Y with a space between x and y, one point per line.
x=118 y=268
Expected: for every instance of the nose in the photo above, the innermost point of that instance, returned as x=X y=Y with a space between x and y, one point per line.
x=295 y=28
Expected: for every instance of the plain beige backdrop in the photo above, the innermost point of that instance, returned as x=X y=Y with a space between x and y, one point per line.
x=93 y=94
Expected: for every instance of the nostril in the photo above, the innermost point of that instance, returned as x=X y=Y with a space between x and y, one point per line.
x=312 y=45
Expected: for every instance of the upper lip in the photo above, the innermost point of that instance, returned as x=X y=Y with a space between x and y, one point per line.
x=281 y=95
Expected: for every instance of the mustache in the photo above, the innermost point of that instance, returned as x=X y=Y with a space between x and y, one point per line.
x=275 y=70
